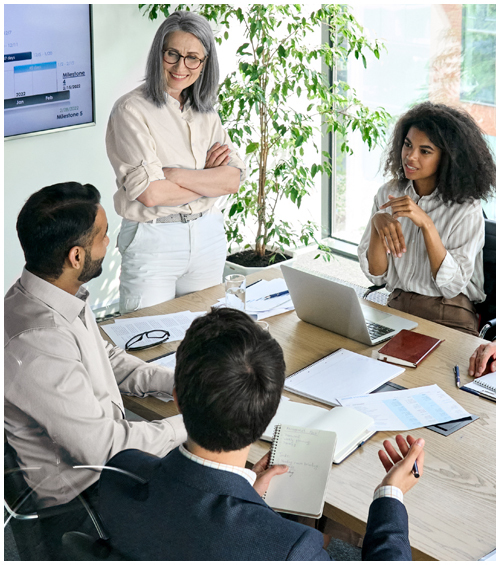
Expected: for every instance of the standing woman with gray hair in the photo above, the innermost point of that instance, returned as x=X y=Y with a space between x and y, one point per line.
x=172 y=160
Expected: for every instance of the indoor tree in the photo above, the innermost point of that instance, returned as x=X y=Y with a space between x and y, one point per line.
x=260 y=105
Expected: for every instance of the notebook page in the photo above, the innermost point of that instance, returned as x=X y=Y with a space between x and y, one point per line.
x=488 y=381
x=486 y=385
x=343 y=373
x=294 y=414
x=308 y=454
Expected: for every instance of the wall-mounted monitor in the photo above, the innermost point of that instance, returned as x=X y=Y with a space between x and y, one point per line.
x=48 y=74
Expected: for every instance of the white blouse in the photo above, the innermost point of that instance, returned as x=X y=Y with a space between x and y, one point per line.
x=461 y=229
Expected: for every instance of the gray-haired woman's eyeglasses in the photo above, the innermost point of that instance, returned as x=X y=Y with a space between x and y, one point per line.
x=192 y=63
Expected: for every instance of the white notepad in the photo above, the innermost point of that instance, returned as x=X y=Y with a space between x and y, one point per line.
x=342 y=373
x=485 y=385
x=351 y=426
x=308 y=454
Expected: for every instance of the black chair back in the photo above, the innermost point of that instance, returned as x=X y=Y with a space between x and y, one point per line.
x=487 y=309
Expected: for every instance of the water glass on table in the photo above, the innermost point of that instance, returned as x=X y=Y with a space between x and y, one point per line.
x=236 y=286
x=263 y=325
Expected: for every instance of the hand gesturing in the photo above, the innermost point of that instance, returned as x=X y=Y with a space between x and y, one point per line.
x=403 y=206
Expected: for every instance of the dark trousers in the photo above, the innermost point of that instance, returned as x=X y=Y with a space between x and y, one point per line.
x=40 y=539
x=457 y=313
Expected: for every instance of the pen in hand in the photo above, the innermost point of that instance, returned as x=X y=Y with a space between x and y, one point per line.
x=415 y=470
x=456 y=370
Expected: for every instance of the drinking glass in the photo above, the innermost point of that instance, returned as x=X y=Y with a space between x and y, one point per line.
x=236 y=286
x=263 y=325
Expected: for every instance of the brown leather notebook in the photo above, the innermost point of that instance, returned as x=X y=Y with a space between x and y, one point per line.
x=408 y=348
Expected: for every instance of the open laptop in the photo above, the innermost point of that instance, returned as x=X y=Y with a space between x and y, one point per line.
x=336 y=307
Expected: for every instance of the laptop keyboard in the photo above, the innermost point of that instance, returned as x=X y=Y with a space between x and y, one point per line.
x=377 y=330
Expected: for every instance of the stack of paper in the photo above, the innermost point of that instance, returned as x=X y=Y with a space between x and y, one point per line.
x=176 y=324
x=260 y=307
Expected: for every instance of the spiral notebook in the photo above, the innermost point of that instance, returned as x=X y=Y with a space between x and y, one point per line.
x=483 y=386
x=309 y=455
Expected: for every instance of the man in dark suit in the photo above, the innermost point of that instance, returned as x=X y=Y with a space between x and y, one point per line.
x=199 y=502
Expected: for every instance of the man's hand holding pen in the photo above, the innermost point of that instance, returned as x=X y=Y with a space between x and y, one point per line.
x=401 y=468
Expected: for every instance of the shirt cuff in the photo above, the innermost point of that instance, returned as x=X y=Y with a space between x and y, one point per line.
x=139 y=178
x=388 y=491
x=447 y=270
x=375 y=279
x=179 y=435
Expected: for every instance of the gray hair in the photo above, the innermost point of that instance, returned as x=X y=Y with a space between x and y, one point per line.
x=203 y=93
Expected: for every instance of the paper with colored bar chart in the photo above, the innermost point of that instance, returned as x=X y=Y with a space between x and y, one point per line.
x=407 y=409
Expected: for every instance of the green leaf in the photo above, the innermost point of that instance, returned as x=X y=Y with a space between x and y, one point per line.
x=299 y=141
x=252 y=147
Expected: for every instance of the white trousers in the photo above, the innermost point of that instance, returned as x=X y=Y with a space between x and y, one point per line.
x=162 y=261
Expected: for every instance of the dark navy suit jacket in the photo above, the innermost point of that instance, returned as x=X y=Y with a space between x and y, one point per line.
x=185 y=511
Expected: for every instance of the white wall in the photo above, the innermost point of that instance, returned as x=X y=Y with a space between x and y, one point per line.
x=122 y=37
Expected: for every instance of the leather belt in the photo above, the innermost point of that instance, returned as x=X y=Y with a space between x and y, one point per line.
x=174 y=218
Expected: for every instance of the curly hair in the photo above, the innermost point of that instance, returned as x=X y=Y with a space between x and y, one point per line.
x=466 y=170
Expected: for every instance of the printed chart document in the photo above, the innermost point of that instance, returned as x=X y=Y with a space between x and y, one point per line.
x=308 y=454
x=259 y=308
x=407 y=409
x=340 y=374
x=352 y=427
x=177 y=324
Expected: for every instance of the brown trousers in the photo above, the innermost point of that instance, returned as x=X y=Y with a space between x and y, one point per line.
x=457 y=313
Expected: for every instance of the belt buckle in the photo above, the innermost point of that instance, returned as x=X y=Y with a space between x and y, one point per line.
x=184 y=219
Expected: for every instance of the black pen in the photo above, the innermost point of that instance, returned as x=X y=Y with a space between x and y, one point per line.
x=415 y=470
x=260 y=280
x=457 y=375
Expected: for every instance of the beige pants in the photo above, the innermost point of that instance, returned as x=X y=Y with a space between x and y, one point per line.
x=457 y=313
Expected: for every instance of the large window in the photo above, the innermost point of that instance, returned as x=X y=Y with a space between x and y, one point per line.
x=477 y=77
x=439 y=52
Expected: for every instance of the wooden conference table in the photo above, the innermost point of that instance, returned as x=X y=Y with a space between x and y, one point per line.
x=452 y=509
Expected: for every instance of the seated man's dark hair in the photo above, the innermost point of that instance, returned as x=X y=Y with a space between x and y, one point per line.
x=52 y=221
x=229 y=376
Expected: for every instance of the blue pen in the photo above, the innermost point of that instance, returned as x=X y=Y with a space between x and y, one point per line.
x=457 y=376
x=275 y=295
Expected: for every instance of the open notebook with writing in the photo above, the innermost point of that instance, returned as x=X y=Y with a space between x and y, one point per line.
x=308 y=454
x=351 y=426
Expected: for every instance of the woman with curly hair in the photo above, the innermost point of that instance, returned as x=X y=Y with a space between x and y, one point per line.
x=426 y=234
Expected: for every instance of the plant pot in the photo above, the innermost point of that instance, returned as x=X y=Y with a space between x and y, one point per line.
x=231 y=268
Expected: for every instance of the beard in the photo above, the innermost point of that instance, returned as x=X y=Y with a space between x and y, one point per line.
x=91 y=268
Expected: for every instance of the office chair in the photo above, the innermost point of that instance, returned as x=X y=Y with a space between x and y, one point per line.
x=487 y=309
x=21 y=511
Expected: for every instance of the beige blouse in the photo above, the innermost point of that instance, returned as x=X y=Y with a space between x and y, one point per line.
x=142 y=138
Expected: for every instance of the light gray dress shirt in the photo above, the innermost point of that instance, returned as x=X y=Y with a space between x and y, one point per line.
x=141 y=139
x=62 y=403
x=461 y=229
